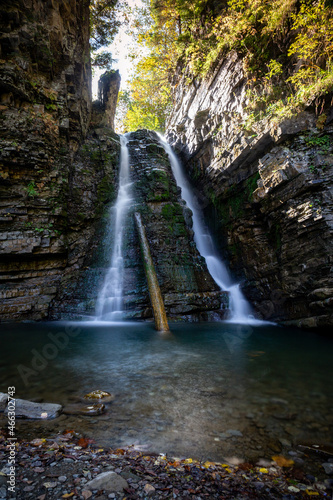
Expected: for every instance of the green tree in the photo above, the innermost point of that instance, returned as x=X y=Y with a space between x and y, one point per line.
x=105 y=21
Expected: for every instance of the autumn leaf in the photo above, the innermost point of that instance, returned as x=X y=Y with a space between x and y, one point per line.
x=84 y=442
x=282 y=461
x=208 y=464
x=68 y=495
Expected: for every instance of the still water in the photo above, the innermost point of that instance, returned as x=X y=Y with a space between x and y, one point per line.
x=209 y=390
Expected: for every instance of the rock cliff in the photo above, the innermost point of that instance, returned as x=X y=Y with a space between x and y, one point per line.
x=266 y=192
x=187 y=288
x=186 y=285
x=56 y=174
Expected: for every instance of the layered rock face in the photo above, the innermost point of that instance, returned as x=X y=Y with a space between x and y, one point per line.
x=188 y=291
x=52 y=185
x=266 y=193
x=187 y=288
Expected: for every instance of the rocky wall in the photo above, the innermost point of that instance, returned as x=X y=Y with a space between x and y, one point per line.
x=53 y=184
x=266 y=193
x=187 y=288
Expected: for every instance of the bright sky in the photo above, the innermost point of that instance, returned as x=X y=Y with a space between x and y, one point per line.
x=121 y=47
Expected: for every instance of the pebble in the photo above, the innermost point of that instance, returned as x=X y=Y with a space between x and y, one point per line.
x=293 y=489
x=149 y=489
x=328 y=468
x=258 y=485
x=285 y=442
x=62 y=479
x=310 y=478
x=3 y=492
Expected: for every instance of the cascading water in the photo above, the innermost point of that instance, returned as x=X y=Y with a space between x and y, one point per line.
x=109 y=305
x=239 y=307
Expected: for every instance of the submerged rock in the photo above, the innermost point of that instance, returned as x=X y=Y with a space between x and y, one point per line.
x=28 y=409
x=99 y=395
x=91 y=410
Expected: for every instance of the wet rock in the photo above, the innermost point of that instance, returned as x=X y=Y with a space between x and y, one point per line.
x=98 y=395
x=28 y=409
x=109 y=481
x=3 y=401
x=218 y=153
x=90 y=410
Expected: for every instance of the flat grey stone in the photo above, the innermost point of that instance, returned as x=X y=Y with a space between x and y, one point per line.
x=28 y=409
x=3 y=401
x=109 y=481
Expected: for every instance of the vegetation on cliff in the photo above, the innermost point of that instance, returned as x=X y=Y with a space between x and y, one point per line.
x=286 y=47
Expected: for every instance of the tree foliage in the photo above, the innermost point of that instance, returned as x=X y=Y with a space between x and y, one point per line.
x=286 y=47
x=104 y=25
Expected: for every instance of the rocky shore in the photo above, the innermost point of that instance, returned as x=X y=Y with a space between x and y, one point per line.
x=72 y=466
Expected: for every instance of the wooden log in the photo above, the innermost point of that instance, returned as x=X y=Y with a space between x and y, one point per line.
x=161 y=322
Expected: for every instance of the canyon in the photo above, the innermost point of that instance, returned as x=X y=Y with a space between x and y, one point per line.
x=266 y=192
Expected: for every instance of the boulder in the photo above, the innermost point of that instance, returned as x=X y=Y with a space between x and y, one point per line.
x=109 y=481
x=28 y=409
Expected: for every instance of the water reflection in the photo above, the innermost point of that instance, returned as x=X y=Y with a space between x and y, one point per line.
x=207 y=390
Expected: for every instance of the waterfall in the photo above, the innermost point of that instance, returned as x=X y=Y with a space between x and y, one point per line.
x=239 y=307
x=109 y=305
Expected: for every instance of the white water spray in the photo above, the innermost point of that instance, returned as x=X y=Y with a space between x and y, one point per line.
x=109 y=305
x=239 y=307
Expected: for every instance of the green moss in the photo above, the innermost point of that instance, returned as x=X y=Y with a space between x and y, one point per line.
x=236 y=197
x=170 y=211
x=105 y=190
x=251 y=185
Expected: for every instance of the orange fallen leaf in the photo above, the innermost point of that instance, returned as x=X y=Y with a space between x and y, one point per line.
x=282 y=461
x=84 y=442
x=68 y=495
x=174 y=464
